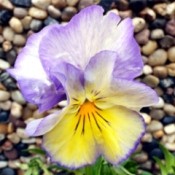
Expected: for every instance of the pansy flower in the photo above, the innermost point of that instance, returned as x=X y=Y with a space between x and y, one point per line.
x=91 y=61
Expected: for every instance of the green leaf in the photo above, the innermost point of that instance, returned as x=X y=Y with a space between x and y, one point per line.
x=163 y=169
x=36 y=151
x=146 y=173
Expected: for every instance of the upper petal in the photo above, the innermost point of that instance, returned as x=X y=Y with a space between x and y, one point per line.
x=88 y=33
x=34 y=82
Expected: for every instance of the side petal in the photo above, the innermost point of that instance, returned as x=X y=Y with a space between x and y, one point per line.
x=128 y=93
x=43 y=125
x=34 y=82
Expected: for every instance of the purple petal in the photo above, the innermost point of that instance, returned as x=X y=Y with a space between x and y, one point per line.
x=85 y=35
x=43 y=125
x=34 y=82
x=130 y=63
x=98 y=72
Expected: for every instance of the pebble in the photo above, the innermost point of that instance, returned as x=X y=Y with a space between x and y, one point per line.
x=59 y=3
x=149 y=48
x=169 y=109
x=18 y=97
x=142 y=37
x=20 y=12
x=5 y=16
x=11 y=154
x=168 y=120
x=3 y=164
x=159 y=23
x=157 y=152
x=166 y=83
x=141 y=157
x=157 y=114
x=26 y=22
x=54 y=12
x=154 y=126
x=138 y=5
x=147 y=137
x=170 y=27
x=16 y=25
x=170 y=146
x=139 y=24
x=148 y=14
x=72 y=2
x=29 y=141
x=14 y=138
x=7 y=45
x=42 y=4
x=7 y=145
x=11 y=57
x=147 y=70
x=49 y=20
x=37 y=13
x=160 y=9
x=160 y=71
x=16 y=110
x=146 y=166
x=158 y=134
x=169 y=129
x=4 y=65
x=6 y=4
x=8 y=34
x=14 y=164
x=68 y=13
x=4 y=116
x=158 y=58
x=157 y=34
x=151 y=80
x=22 y=3
x=4 y=95
x=170 y=10
x=36 y=25
x=171 y=69
x=171 y=54
x=19 y=40
x=148 y=146
x=3 y=128
x=167 y=41
x=21 y=133
x=160 y=104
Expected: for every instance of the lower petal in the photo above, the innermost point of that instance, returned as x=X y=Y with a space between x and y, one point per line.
x=79 y=138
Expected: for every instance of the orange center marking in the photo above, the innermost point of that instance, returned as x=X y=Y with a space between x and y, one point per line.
x=87 y=107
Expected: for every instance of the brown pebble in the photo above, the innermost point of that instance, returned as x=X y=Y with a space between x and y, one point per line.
x=170 y=27
x=59 y=3
x=158 y=134
x=14 y=138
x=157 y=34
x=3 y=128
x=42 y=4
x=7 y=145
x=54 y=12
x=169 y=109
x=26 y=21
x=85 y=3
x=151 y=81
x=160 y=71
x=11 y=154
x=37 y=13
x=125 y=14
x=6 y=4
x=19 y=12
x=158 y=58
x=147 y=137
x=157 y=114
x=148 y=14
x=19 y=40
x=72 y=2
x=141 y=157
x=68 y=13
x=171 y=69
x=10 y=128
x=149 y=47
x=167 y=41
x=19 y=123
x=7 y=45
x=160 y=9
x=171 y=54
x=8 y=34
x=16 y=25
x=154 y=126
x=143 y=36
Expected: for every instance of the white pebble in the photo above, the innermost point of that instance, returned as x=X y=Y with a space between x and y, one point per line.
x=169 y=129
x=4 y=64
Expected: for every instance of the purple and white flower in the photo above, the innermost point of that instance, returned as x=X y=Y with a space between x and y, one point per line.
x=92 y=61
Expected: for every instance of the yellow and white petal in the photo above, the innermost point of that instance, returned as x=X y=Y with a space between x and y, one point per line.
x=79 y=138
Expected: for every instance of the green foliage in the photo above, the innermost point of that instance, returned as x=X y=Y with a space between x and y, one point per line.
x=167 y=167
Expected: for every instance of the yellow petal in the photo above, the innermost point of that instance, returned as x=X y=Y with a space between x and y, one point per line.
x=79 y=138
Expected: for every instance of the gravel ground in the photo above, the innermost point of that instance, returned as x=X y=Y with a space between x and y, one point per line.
x=154 y=22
